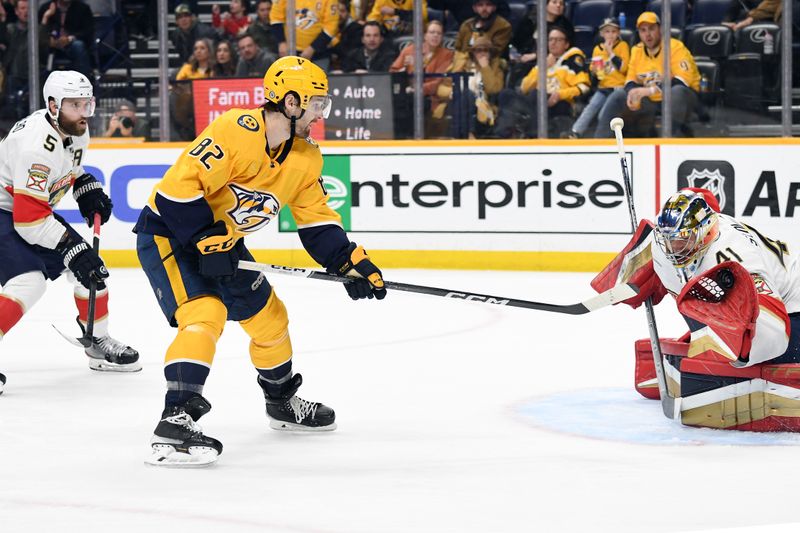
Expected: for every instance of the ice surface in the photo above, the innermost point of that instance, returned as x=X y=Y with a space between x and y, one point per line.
x=453 y=417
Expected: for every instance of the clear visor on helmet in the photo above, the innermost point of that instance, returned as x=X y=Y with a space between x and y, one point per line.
x=320 y=105
x=81 y=107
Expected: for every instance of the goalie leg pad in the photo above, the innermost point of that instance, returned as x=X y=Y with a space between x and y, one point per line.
x=645 y=381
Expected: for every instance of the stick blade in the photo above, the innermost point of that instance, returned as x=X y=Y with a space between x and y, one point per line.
x=82 y=342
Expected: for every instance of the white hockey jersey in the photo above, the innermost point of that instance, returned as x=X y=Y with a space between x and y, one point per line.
x=37 y=169
x=775 y=272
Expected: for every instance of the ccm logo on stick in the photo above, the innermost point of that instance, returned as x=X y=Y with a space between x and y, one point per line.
x=475 y=297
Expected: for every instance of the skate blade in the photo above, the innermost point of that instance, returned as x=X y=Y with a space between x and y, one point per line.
x=101 y=365
x=166 y=456
x=288 y=426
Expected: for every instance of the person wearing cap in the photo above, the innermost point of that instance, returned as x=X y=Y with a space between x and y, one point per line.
x=488 y=79
x=567 y=80
x=644 y=84
x=486 y=23
x=609 y=65
x=187 y=32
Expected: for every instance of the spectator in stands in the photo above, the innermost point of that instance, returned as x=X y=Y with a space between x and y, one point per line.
x=188 y=30
x=486 y=23
x=523 y=53
x=397 y=16
x=15 y=60
x=253 y=61
x=225 y=65
x=125 y=123
x=350 y=32
x=316 y=27
x=69 y=26
x=567 y=80
x=436 y=60
x=609 y=67
x=641 y=98
x=488 y=71
x=201 y=64
x=234 y=22
x=375 y=55
x=462 y=10
x=261 y=29
x=763 y=11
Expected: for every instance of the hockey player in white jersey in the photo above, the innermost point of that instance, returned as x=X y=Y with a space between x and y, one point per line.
x=40 y=160
x=738 y=290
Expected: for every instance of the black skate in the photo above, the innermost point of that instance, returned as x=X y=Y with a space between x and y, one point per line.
x=178 y=440
x=2 y=382
x=107 y=354
x=288 y=412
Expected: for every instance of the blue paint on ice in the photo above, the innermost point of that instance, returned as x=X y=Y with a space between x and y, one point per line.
x=619 y=414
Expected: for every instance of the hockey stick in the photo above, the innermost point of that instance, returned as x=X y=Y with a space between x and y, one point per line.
x=86 y=340
x=667 y=401
x=611 y=296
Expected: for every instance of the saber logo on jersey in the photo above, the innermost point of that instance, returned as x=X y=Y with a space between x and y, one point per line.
x=716 y=176
x=253 y=209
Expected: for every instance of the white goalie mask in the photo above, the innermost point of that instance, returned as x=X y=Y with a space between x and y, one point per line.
x=63 y=84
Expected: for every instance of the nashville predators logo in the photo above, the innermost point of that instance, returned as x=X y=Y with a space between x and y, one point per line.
x=253 y=209
x=305 y=18
x=248 y=122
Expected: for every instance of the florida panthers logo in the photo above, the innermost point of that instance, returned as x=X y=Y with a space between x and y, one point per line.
x=714 y=181
x=253 y=209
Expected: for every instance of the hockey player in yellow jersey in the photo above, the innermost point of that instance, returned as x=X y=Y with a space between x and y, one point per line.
x=316 y=25
x=644 y=84
x=230 y=182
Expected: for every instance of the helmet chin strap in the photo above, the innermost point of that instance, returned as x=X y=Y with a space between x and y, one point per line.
x=55 y=123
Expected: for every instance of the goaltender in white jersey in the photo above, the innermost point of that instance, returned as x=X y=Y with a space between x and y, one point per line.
x=738 y=290
x=40 y=160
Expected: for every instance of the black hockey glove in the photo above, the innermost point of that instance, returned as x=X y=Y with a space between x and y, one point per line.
x=370 y=284
x=219 y=256
x=84 y=262
x=91 y=198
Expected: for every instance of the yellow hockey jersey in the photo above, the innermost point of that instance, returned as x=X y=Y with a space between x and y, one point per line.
x=567 y=76
x=312 y=19
x=646 y=70
x=609 y=76
x=228 y=174
x=401 y=21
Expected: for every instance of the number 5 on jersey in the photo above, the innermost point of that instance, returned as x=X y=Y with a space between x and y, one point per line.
x=202 y=151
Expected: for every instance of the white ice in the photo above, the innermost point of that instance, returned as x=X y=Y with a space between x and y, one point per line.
x=453 y=417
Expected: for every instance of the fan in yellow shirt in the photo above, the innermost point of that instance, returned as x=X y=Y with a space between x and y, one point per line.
x=644 y=84
x=316 y=25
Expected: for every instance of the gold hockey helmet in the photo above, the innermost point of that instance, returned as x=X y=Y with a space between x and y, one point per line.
x=301 y=76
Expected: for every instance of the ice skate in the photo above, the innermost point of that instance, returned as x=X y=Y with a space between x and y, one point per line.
x=289 y=412
x=178 y=441
x=107 y=354
x=2 y=382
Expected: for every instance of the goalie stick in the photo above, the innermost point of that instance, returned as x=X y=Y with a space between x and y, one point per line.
x=611 y=296
x=667 y=402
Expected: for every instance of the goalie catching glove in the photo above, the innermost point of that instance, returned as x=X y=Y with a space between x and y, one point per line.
x=724 y=299
x=370 y=284
x=219 y=255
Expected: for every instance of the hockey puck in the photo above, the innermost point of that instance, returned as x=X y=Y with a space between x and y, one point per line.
x=725 y=279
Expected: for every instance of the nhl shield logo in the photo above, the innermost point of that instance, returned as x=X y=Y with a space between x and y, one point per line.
x=716 y=176
x=712 y=180
x=253 y=209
